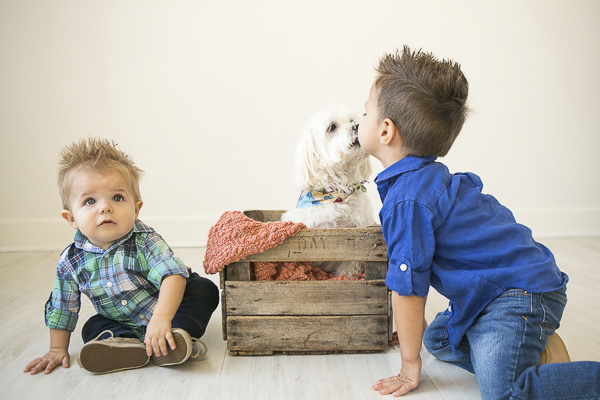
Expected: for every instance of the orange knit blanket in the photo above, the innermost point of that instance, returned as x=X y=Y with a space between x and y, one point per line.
x=294 y=271
x=235 y=236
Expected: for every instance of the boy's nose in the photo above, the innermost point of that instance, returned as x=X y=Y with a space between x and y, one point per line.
x=104 y=208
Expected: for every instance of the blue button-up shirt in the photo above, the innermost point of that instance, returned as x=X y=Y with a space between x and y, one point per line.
x=441 y=231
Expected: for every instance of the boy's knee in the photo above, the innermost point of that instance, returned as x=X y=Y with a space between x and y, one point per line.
x=203 y=288
x=436 y=336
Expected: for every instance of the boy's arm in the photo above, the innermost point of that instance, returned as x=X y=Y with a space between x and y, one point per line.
x=158 y=333
x=409 y=315
x=57 y=355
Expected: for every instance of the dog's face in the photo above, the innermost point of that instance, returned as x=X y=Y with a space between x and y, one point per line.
x=329 y=154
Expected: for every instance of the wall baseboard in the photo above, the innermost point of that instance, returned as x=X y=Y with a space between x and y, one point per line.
x=49 y=234
x=560 y=222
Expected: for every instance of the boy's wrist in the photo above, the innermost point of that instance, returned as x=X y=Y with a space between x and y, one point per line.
x=411 y=360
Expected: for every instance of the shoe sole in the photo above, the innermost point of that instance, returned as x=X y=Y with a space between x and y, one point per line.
x=555 y=352
x=174 y=357
x=102 y=358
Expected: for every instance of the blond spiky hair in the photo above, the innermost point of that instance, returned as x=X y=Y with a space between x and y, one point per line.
x=96 y=155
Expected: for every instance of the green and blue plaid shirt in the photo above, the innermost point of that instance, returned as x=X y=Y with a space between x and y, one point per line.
x=122 y=282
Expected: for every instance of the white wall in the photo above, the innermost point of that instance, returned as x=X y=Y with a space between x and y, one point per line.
x=210 y=97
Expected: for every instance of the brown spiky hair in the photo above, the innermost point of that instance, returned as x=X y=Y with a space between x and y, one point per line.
x=95 y=155
x=424 y=97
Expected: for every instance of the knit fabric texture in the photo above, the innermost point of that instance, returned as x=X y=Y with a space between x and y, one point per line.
x=235 y=236
x=294 y=271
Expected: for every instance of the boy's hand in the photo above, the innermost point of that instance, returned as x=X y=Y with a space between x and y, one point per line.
x=398 y=385
x=49 y=361
x=158 y=332
x=158 y=335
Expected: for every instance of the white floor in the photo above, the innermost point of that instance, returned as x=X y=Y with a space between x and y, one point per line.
x=27 y=279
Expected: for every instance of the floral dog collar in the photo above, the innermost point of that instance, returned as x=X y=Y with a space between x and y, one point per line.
x=317 y=197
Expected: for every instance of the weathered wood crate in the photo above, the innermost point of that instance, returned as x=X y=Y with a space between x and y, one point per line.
x=309 y=317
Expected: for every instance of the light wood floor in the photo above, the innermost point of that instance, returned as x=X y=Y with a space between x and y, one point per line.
x=27 y=279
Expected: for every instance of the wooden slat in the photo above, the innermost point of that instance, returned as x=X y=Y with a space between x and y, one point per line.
x=307 y=298
x=359 y=333
x=238 y=271
x=354 y=244
x=375 y=270
x=224 y=315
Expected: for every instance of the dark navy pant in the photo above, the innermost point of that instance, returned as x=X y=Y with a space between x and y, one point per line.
x=200 y=299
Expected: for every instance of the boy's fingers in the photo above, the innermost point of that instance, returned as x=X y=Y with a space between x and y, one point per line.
x=395 y=385
x=159 y=346
x=170 y=340
x=40 y=366
x=32 y=364
x=403 y=390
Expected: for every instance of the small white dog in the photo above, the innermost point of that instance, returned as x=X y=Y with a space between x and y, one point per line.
x=330 y=169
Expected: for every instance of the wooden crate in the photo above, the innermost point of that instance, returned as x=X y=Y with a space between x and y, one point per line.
x=309 y=317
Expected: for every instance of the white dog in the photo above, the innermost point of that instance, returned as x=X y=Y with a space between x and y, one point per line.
x=330 y=169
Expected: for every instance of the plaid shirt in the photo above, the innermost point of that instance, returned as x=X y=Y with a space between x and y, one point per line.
x=122 y=282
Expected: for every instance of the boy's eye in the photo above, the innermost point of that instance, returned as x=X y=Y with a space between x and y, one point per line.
x=117 y=197
x=89 y=202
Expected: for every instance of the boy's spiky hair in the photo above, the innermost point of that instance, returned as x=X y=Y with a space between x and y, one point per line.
x=97 y=155
x=424 y=97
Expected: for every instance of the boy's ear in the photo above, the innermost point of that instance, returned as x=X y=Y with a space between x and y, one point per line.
x=389 y=132
x=68 y=216
x=138 y=207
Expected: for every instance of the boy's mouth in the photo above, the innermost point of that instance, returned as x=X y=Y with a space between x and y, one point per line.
x=106 y=222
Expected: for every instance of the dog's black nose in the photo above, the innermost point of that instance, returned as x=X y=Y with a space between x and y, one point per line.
x=355 y=127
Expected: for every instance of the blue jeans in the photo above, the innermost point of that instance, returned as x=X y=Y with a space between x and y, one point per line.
x=504 y=345
x=200 y=299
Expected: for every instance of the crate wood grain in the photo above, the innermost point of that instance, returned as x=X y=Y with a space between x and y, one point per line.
x=265 y=335
x=306 y=298
x=309 y=317
x=353 y=244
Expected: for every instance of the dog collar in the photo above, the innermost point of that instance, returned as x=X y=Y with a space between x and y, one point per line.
x=317 y=197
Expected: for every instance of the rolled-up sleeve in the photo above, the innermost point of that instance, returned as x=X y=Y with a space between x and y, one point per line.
x=161 y=260
x=409 y=236
x=62 y=308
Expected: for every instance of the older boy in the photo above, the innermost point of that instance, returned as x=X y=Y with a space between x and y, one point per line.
x=140 y=290
x=506 y=293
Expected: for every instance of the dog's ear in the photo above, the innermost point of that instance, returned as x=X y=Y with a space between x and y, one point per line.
x=365 y=169
x=306 y=162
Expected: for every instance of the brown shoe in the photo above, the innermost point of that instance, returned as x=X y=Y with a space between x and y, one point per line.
x=112 y=354
x=555 y=352
x=185 y=347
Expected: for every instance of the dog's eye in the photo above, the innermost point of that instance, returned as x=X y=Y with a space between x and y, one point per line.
x=332 y=127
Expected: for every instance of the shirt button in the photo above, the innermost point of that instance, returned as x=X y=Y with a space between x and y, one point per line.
x=106 y=255
x=403 y=267
x=124 y=302
x=142 y=316
x=109 y=284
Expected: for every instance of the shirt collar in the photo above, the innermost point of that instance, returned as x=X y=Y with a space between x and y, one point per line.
x=82 y=242
x=388 y=176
